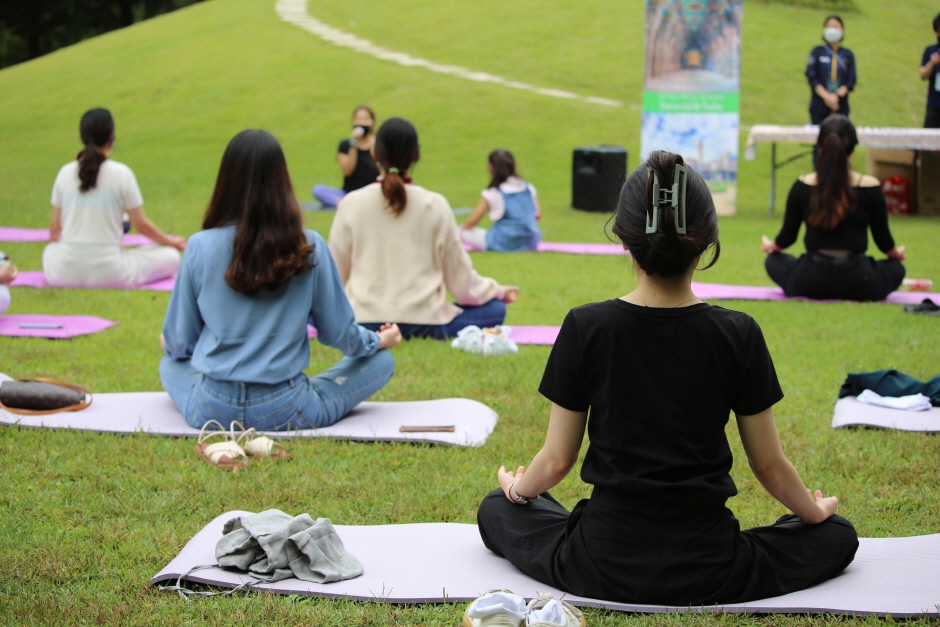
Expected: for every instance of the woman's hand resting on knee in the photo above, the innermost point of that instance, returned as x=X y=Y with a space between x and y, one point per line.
x=389 y=336
x=510 y=294
x=768 y=245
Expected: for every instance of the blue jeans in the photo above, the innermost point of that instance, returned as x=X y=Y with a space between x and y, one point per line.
x=300 y=403
x=328 y=196
x=489 y=314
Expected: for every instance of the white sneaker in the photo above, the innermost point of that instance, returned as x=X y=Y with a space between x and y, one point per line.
x=547 y=611
x=496 y=608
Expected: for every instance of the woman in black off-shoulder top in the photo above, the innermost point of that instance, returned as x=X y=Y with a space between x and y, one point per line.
x=838 y=206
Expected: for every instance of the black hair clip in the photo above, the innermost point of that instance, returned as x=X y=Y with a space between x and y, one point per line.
x=675 y=198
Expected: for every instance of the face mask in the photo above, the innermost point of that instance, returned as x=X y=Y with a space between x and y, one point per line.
x=365 y=129
x=832 y=35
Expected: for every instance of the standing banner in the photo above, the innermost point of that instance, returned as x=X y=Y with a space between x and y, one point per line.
x=692 y=87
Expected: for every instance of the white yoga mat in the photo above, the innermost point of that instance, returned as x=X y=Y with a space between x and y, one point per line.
x=438 y=562
x=851 y=413
x=155 y=413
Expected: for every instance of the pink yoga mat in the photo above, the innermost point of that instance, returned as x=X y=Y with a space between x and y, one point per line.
x=718 y=291
x=33 y=278
x=534 y=335
x=71 y=326
x=572 y=248
x=16 y=234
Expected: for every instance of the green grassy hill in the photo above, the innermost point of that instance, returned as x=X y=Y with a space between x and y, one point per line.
x=85 y=519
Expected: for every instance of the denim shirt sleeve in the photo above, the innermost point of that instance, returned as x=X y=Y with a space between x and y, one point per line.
x=330 y=311
x=850 y=76
x=811 y=69
x=183 y=324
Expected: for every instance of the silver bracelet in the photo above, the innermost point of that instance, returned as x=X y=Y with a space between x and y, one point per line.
x=518 y=500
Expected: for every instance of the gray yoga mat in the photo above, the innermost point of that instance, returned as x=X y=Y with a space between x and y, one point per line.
x=438 y=562
x=155 y=413
x=851 y=413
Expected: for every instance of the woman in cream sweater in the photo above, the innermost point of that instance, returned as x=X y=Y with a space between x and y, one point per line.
x=398 y=250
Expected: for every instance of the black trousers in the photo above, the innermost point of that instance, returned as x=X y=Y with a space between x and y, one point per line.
x=932 y=118
x=609 y=548
x=815 y=275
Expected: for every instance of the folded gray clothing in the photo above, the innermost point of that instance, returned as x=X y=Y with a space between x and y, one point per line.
x=273 y=546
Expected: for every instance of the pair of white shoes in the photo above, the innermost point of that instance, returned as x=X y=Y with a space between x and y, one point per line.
x=491 y=342
x=502 y=608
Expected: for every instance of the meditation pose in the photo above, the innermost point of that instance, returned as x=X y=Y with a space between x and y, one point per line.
x=830 y=71
x=838 y=207
x=398 y=250
x=89 y=200
x=235 y=334
x=355 y=159
x=8 y=272
x=660 y=371
x=512 y=206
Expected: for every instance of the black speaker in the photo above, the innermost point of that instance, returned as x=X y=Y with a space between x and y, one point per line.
x=597 y=174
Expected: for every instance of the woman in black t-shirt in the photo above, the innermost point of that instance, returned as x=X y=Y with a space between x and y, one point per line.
x=355 y=159
x=660 y=371
x=838 y=207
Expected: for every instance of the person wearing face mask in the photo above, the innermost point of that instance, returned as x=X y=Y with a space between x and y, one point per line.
x=930 y=72
x=355 y=159
x=830 y=71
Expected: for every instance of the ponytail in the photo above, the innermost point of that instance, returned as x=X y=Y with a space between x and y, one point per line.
x=396 y=150
x=833 y=198
x=504 y=166
x=96 y=131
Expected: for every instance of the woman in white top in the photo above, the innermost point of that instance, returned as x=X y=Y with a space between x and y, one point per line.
x=89 y=199
x=512 y=205
x=398 y=250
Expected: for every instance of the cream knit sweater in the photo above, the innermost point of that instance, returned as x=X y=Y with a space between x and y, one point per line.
x=400 y=268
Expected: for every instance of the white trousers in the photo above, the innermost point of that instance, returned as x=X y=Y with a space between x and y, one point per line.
x=91 y=265
x=475 y=237
x=4 y=298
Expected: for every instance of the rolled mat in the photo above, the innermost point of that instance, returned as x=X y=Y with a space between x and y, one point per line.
x=16 y=234
x=18 y=325
x=156 y=414
x=718 y=291
x=851 y=413
x=447 y=562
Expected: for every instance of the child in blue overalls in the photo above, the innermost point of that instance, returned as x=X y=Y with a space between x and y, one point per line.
x=512 y=206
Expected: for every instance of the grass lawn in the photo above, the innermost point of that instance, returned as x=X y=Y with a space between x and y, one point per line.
x=86 y=519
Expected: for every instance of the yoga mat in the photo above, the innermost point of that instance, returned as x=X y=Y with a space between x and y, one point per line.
x=851 y=413
x=572 y=248
x=155 y=413
x=718 y=291
x=71 y=325
x=534 y=335
x=16 y=234
x=34 y=278
x=438 y=562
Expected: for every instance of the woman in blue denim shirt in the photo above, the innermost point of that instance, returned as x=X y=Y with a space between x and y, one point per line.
x=235 y=335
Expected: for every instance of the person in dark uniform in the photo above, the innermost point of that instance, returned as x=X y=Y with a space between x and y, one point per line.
x=830 y=71
x=355 y=159
x=930 y=72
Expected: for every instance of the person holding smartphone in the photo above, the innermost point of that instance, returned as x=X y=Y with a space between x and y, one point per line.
x=355 y=159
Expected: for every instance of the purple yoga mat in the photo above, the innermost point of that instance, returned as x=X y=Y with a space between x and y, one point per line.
x=447 y=562
x=718 y=291
x=572 y=248
x=533 y=335
x=71 y=325
x=16 y=234
x=34 y=278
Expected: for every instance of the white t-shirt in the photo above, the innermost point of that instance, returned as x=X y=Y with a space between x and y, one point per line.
x=95 y=216
x=513 y=184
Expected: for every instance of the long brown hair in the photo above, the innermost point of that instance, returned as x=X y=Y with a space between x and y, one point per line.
x=396 y=150
x=504 y=166
x=666 y=253
x=96 y=130
x=833 y=197
x=253 y=191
